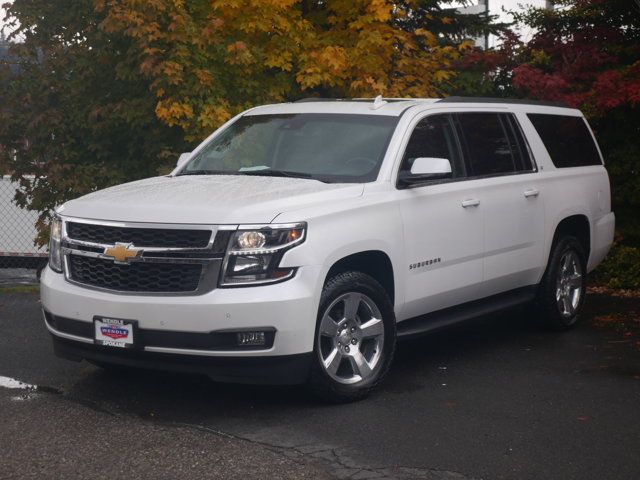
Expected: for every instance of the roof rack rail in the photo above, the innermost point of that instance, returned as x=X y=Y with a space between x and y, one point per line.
x=320 y=99
x=522 y=101
x=372 y=99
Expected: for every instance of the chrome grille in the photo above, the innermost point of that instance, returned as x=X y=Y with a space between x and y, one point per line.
x=175 y=259
x=140 y=237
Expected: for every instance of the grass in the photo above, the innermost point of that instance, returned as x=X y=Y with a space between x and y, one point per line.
x=20 y=289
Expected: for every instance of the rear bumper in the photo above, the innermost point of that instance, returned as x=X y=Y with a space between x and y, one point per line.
x=274 y=370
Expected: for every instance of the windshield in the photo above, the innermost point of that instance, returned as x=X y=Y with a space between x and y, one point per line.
x=336 y=148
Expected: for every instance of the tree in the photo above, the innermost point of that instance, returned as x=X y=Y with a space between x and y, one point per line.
x=74 y=116
x=585 y=53
x=209 y=59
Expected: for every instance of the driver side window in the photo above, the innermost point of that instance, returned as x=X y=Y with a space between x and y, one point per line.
x=434 y=136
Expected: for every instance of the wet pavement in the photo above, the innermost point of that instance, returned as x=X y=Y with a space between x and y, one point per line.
x=494 y=399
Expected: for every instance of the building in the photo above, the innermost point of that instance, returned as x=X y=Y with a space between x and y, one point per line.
x=500 y=8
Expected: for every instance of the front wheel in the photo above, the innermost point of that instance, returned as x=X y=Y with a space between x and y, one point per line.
x=355 y=338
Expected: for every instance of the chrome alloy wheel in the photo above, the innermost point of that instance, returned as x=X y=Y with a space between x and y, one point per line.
x=569 y=283
x=351 y=338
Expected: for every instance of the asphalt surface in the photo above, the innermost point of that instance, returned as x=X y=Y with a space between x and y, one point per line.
x=494 y=399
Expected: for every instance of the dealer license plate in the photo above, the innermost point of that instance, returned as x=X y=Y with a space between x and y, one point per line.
x=113 y=332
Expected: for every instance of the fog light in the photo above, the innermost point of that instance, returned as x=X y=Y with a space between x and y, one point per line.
x=250 y=338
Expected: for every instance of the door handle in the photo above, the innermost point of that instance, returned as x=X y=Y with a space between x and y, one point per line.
x=470 y=202
x=532 y=192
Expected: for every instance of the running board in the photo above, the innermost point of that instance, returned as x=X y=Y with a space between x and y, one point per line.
x=417 y=326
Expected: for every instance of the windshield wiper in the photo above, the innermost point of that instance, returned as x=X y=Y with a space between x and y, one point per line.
x=282 y=173
x=203 y=172
x=267 y=172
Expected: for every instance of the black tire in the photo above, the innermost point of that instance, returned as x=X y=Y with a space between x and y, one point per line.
x=353 y=284
x=551 y=314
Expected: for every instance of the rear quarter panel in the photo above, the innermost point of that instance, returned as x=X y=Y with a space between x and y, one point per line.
x=571 y=191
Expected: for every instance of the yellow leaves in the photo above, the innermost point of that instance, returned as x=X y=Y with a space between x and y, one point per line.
x=429 y=38
x=380 y=10
x=334 y=58
x=466 y=45
x=173 y=112
x=209 y=59
x=213 y=115
x=282 y=60
x=204 y=77
x=173 y=71
x=238 y=46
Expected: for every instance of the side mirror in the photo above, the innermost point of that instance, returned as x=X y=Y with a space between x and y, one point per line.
x=426 y=168
x=183 y=158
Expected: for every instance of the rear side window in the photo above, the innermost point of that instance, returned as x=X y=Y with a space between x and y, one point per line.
x=567 y=139
x=487 y=144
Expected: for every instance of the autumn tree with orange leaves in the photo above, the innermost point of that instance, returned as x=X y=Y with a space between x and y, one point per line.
x=208 y=60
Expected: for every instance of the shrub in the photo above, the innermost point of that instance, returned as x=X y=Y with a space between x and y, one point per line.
x=621 y=268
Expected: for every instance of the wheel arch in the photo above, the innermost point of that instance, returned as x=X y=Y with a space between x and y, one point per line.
x=577 y=225
x=375 y=263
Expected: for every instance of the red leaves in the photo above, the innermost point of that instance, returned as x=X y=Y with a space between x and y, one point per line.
x=586 y=55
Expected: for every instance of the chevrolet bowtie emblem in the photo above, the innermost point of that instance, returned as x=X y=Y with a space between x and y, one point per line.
x=122 y=252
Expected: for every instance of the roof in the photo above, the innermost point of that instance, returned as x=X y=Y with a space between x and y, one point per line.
x=384 y=106
x=361 y=106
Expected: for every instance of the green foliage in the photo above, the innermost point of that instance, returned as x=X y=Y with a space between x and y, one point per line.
x=621 y=268
x=73 y=116
x=618 y=133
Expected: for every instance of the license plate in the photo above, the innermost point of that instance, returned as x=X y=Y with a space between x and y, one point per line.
x=113 y=332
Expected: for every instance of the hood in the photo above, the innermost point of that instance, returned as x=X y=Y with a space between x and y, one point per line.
x=211 y=199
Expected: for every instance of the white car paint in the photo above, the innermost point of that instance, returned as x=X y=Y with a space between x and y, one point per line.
x=500 y=243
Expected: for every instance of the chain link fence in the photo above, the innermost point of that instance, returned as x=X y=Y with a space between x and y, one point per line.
x=20 y=258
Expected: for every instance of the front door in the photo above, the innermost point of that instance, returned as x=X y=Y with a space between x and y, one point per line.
x=443 y=225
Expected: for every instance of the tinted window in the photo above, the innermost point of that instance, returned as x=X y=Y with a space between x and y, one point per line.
x=434 y=137
x=486 y=144
x=567 y=139
x=519 y=147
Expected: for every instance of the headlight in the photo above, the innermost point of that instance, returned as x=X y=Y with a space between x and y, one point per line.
x=55 y=254
x=254 y=254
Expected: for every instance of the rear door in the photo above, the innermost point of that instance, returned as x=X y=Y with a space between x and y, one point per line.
x=502 y=170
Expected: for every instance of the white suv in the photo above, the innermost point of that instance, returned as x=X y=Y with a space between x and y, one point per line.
x=301 y=240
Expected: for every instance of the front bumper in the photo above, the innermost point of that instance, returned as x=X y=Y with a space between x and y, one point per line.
x=275 y=370
x=289 y=308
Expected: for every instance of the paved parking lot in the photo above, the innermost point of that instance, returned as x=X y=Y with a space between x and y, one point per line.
x=495 y=399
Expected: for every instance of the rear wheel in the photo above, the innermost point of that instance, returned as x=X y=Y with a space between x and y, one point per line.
x=563 y=288
x=355 y=338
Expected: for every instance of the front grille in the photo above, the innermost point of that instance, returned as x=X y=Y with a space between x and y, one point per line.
x=135 y=277
x=140 y=237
